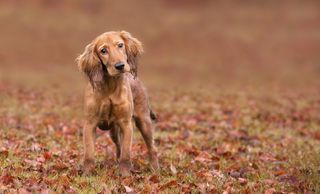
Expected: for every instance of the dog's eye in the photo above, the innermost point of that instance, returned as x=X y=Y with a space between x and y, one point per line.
x=103 y=51
x=120 y=45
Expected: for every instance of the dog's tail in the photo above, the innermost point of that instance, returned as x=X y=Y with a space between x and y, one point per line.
x=153 y=116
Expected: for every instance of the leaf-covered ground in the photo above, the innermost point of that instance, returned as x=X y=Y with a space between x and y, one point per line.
x=235 y=85
x=234 y=141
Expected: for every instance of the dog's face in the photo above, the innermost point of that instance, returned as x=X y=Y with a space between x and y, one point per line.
x=111 y=54
x=111 y=51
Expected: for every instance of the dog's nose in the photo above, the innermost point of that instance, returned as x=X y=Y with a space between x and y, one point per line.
x=119 y=66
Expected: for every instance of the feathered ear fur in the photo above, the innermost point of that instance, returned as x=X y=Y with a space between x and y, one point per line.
x=88 y=62
x=133 y=49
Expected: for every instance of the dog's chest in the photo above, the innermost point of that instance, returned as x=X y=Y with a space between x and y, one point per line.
x=109 y=111
x=106 y=110
x=118 y=104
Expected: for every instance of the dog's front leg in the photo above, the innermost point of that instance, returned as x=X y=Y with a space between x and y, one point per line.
x=126 y=141
x=89 y=139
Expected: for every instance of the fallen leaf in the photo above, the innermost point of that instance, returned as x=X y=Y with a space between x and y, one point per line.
x=270 y=191
x=171 y=183
x=4 y=153
x=7 y=179
x=279 y=172
x=154 y=178
x=47 y=155
x=128 y=189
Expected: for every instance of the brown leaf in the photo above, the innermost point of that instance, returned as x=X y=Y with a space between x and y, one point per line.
x=270 y=191
x=64 y=180
x=203 y=157
x=266 y=157
x=280 y=172
x=205 y=174
x=127 y=180
x=59 y=166
x=4 y=153
x=154 y=178
x=147 y=188
x=171 y=183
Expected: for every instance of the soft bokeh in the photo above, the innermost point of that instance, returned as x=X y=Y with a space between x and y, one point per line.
x=207 y=43
x=235 y=86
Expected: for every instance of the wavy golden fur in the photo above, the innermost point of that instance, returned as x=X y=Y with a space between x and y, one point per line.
x=115 y=97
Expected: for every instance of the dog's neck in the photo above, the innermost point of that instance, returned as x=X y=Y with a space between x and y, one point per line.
x=111 y=83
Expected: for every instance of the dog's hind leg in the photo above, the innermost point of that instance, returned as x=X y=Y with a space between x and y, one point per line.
x=144 y=125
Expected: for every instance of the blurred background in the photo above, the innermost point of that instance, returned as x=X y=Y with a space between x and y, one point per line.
x=195 y=44
x=235 y=85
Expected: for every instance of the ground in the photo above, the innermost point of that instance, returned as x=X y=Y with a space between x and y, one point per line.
x=208 y=141
x=235 y=86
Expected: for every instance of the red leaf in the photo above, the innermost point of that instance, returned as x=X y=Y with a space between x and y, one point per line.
x=316 y=135
x=4 y=153
x=7 y=179
x=279 y=172
x=154 y=178
x=47 y=155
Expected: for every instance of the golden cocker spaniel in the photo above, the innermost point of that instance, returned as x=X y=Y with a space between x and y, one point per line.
x=115 y=97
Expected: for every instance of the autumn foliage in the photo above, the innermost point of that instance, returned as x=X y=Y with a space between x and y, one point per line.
x=235 y=87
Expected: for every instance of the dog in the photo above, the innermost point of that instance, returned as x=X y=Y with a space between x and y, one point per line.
x=115 y=98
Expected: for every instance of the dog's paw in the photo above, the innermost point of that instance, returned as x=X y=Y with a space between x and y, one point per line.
x=88 y=167
x=154 y=164
x=125 y=167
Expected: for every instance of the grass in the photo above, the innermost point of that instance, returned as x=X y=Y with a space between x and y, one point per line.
x=238 y=101
x=235 y=143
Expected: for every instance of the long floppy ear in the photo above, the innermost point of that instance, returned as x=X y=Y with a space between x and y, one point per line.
x=88 y=62
x=134 y=49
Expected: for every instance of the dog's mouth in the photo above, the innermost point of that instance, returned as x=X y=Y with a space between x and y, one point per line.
x=115 y=72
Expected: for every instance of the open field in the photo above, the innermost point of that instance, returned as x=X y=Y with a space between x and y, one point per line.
x=235 y=87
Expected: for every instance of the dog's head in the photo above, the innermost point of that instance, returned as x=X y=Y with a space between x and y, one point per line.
x=110 y=54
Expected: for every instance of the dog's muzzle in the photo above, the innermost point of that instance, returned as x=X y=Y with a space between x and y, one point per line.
x=119 y=66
